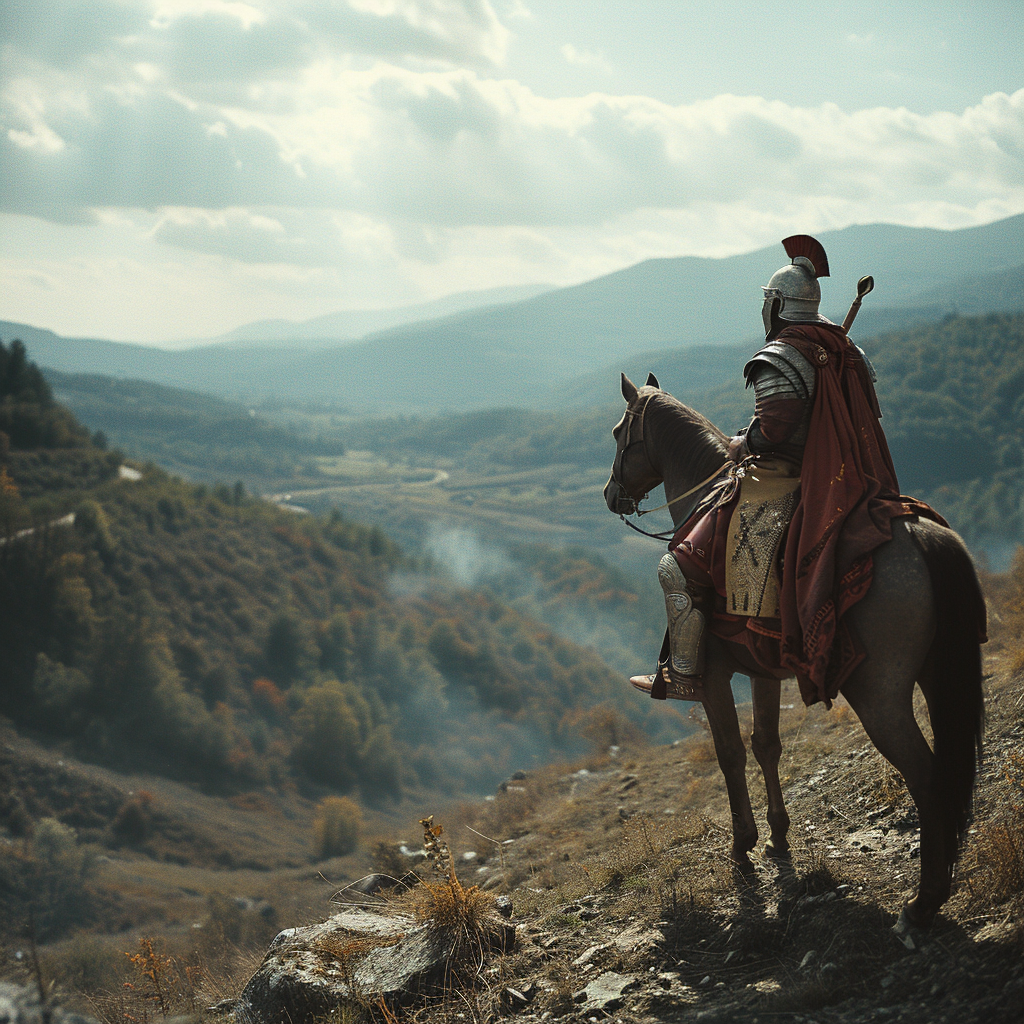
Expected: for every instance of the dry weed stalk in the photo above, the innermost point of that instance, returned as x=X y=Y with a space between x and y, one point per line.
x=153 y=971
x=467 y=914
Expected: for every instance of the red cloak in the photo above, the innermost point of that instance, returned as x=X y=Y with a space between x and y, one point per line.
x=848 y=499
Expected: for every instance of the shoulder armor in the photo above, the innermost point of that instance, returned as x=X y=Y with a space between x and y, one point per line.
x=868 y=364
x=786 y=360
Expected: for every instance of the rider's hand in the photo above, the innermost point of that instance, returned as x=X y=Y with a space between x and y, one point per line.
x=738 y=449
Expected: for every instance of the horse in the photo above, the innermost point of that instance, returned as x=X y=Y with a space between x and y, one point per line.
x=920 y=622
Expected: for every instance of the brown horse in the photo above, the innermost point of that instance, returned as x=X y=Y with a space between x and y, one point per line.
x=920 y=622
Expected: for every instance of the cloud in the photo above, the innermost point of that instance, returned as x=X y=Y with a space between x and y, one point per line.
x=454 y=31
x=585 y=58
x=316 y=134
x=451 y=148
x=302 y=238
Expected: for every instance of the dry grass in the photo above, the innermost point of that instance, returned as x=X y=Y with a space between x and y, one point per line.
x=702 y=752
x=347 y=952
x=159 y=982
x=887 y=788
x=993 y=866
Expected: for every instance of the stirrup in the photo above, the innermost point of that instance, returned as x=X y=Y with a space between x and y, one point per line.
x=676 y=687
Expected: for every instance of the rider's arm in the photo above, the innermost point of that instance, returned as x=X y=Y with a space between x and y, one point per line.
x=783 y=383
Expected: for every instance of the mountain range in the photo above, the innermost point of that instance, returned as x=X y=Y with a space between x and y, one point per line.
x=332 y=328
x=530 y=352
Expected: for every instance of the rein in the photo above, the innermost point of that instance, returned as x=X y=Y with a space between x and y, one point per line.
x=686 y=494
x=668 y=534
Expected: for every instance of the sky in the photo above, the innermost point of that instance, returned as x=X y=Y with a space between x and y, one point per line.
x=172 y=169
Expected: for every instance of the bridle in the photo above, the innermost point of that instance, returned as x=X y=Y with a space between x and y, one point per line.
x=625 y=503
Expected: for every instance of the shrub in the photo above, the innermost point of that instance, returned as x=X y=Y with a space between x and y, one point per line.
x=269 y=700
x=134 y=821
x=328 y=736
x=336 y=827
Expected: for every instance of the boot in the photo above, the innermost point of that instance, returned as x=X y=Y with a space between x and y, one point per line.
x=681 y=665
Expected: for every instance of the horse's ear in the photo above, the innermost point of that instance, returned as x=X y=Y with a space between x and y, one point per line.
x=652 y=381
x=629 y=391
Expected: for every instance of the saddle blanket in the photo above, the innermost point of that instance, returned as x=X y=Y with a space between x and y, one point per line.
x=768 y=496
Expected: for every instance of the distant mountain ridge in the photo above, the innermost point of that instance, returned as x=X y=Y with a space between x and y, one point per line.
x=356 y=323
x=513 y=354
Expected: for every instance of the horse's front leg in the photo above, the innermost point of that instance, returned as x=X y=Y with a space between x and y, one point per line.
x=720 y=709
x=764 y=741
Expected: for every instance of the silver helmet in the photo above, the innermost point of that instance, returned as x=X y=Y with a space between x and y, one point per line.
x=795 y=287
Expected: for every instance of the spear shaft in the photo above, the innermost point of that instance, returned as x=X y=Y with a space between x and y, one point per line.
x=864 y=285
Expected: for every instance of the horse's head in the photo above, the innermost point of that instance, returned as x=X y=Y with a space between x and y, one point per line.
x=633 y=474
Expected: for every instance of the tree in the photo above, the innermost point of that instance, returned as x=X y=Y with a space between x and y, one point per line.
x=328 y=740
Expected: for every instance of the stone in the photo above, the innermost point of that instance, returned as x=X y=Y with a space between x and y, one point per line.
x=605 y=992
x=352 y=957
x=638 y=939
x=586 y=956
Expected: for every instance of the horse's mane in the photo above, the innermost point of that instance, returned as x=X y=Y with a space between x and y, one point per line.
x=688 y=439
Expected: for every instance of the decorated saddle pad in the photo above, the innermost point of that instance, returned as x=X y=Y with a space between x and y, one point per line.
x=769 y=492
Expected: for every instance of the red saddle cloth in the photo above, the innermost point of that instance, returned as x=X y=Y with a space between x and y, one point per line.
x=848 y=498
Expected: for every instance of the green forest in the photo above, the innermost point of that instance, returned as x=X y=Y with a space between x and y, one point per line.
x=952 y=398
x=951 y=394
x=206 y=634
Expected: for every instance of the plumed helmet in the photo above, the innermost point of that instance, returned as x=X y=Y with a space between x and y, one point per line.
x=795 y=287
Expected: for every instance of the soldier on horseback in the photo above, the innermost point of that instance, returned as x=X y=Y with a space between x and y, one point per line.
x=780 y=547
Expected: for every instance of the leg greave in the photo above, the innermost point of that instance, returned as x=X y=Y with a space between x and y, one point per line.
x=688 y=607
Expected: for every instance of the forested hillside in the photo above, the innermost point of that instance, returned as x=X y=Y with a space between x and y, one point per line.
x=519 y=484
x=207 y=634
x=952 y=398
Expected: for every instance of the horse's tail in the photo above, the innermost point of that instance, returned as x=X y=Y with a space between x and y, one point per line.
x=956 y=705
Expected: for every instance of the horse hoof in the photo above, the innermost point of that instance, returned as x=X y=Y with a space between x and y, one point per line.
x=776 y=851
x=907 y=933
x=921 y=914
x=742 y=863
x=912 y=925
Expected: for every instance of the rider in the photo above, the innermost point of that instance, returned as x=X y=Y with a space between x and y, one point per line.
x=816 y=422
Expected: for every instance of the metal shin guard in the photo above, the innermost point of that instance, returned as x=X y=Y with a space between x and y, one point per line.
x=687 y=607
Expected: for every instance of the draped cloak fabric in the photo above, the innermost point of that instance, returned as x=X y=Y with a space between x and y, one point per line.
x=848 y=499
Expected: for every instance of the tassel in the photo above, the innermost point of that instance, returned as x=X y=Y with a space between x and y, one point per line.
x=804 y=245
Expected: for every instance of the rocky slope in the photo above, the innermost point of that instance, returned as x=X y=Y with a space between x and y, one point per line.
x=627 y=908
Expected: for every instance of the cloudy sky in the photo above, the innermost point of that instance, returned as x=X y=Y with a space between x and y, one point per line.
x=174 y=168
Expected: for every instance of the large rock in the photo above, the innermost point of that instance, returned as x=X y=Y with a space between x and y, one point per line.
x=355 y=958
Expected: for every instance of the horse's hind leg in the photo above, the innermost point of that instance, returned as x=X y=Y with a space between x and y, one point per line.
x=886 y=711
x=897 y=624
x=730 y=749
x=767 y=747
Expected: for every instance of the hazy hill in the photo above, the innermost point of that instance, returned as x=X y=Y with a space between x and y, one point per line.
x=950 y=392
x=511 y=354
x=332 y=328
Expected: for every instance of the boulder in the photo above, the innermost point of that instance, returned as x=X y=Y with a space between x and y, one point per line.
x=360 y=957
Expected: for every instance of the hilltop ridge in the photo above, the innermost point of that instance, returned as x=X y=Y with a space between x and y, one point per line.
x=511 y=354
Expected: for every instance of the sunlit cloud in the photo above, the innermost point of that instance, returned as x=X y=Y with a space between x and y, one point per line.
x=585 y=58
x=311 y=134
